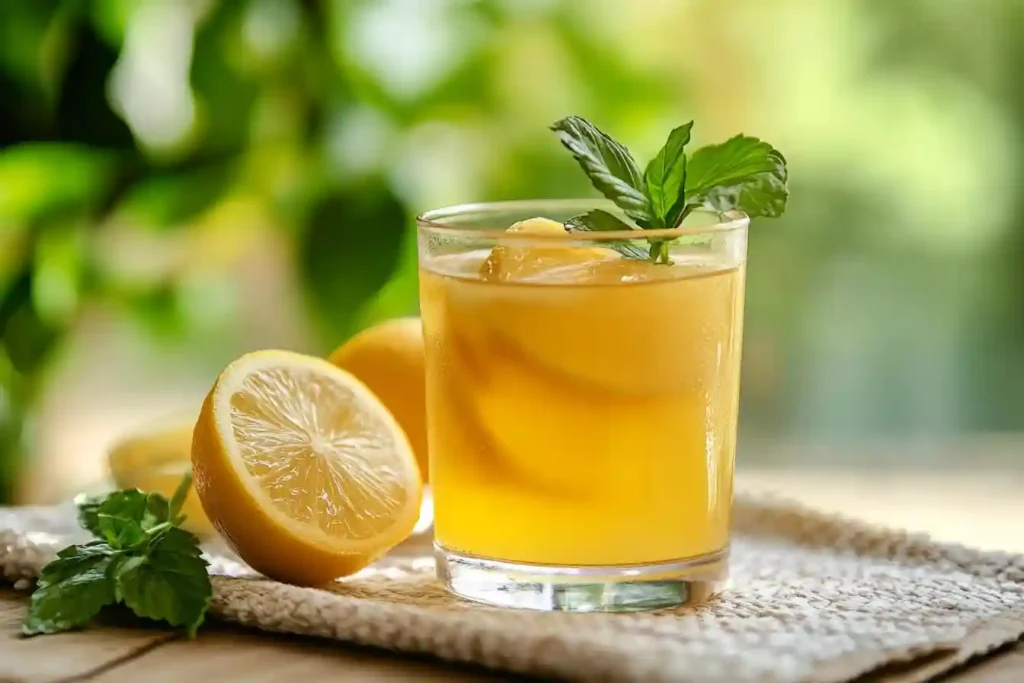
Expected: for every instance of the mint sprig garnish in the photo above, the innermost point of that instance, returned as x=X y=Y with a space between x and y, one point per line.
x=742 y=173
x=141 y=558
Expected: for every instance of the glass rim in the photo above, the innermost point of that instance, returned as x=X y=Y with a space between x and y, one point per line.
x=432 y=221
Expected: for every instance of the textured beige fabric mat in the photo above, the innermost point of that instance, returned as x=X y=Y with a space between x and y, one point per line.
x=814 y=599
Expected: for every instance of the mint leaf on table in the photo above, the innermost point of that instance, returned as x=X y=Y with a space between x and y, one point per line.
x=88 y=513
x=666 y=174
x=127 y=518
x=169 y=583
x=149 y=509
x=72 y=589
x=142 y=558
x=599 y=220
x=609 y=166
x=742 y=173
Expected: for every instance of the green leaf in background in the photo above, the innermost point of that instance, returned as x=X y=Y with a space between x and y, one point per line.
x=351 y=246
x=15 y=393
x=111 y=17
x=741 y=173
x=400 y=296
x=665 y=176
x=41 y=178
x=27 y=339
x=72 y=589
x=32 y=43
x=609 y=166
x=175 y=197
x=57 y=281
x=169 y=583
x=157 y=310
x=222 y=89
x=17 y=296
x=599 y=220
x=83 y=112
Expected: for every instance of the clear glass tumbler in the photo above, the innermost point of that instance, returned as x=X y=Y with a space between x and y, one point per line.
x=581 y=406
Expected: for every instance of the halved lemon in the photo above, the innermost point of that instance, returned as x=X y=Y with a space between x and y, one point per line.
x=302 y=469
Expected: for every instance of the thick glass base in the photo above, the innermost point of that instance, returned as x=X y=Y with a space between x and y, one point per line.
x=626 y=588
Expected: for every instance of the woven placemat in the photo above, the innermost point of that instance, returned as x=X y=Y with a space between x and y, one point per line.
x=814 y=599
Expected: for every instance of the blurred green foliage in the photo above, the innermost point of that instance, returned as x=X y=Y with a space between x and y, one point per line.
x=334 y=120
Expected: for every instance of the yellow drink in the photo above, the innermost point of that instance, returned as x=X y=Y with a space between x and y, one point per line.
x=581 y=408
x=586 y=417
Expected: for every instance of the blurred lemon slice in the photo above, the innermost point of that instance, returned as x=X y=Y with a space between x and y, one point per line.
x=155 y=459
x=509 y=263
x=302 y=469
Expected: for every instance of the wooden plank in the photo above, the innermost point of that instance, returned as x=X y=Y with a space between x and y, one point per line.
x=108 y=654
x=46 y=659
x=226 y=654
x=1006 y=666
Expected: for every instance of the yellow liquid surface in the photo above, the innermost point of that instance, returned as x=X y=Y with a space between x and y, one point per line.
x=583 y=415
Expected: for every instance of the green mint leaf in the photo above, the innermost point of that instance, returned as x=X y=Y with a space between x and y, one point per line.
x=741 y=173
x=597 y=220
x=73 y=559
x=602 y=221
x=121 y=532
x=158 y=511
x=72 y=589
x=169 y=582
x=144 y=560
x=609 y=166
x=130 y=504
x=123 y=518
x=666 y=174
x=88 y=508
x=178 y=499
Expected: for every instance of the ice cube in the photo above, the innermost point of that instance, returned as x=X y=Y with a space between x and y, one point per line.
x=510 y=263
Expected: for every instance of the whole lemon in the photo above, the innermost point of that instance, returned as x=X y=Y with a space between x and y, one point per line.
x=389 y=359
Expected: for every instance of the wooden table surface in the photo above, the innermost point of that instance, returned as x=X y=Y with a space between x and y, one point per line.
x=112 y=653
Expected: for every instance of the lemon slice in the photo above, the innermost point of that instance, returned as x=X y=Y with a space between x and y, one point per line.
x=302 y=469
x=508 y=263
x=155 y=459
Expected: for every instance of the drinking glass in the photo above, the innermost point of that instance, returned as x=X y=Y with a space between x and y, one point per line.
x=581 y=405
